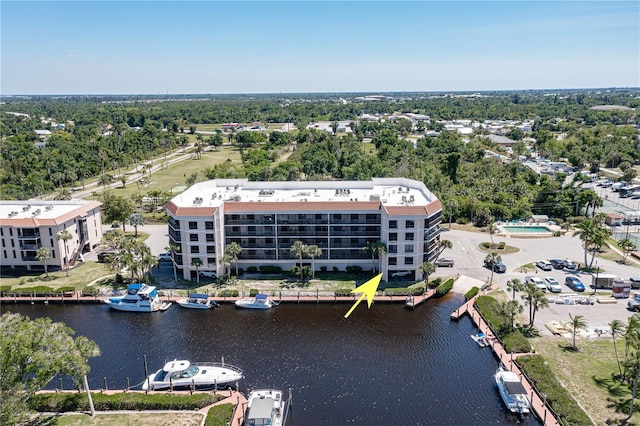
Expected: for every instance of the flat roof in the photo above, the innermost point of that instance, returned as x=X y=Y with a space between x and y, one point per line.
x=46 y=212
x=391 y=192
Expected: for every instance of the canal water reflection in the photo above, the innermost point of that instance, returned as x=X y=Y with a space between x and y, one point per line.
x=386 y=365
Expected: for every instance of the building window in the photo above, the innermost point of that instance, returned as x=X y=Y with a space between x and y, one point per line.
x=408 y=260
x=195 y=249
x=408 y=248
x=11 y=233
x=50 y=232
x=209 y=238
x=211 y=261
x=393 y=248
x=393 y=224
x=2 y=243
x=393 y=261
x=12 y=244
x=5 y=253
x=51 y=241
x=408 y=236
x=393 y=236
x=409 y=224
x=208 y=225
x=53 y=254
x=193 y=225
x=268 y=240
x=211 y=249
x=193 y=237
x=355 y=218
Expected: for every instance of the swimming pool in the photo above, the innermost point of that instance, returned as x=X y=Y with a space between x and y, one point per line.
x=534 y=229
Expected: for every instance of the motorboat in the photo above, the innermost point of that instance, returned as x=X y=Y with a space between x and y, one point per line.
x=182 y=373
x=265 y=407
x=165 y=306
x=260 y=301
x=138 y=298
x=480 y=339
x=512 y=391
x=197 y=301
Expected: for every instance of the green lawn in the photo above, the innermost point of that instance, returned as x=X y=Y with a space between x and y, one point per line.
x=78 y=277
x=132 y=419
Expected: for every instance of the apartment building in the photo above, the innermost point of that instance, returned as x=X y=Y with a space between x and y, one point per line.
x=26 y=226
x=340 y=217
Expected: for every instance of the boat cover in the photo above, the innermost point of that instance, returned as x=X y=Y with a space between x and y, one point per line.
x=261 y=296
x=515 y=388
x=260 y=408
x=199 y=296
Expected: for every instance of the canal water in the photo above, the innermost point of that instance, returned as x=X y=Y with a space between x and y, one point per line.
x=385 y=365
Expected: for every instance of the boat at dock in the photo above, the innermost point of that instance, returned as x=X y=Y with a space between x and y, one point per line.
x=265 y=407
x=480 y=339
x=182 y=373
x=138 y=298
x=197 y=301
x=165 y=306
x=512 y=391
x=260 y=301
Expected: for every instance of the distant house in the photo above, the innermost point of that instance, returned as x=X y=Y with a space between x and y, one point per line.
x=43 y=136
x=614 y=219
x=501 y=140
x=538 y=218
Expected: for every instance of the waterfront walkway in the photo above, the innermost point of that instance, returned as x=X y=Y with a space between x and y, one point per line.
x=538 y=404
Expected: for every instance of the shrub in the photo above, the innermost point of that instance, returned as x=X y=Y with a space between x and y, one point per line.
x=229 y=293
x=5 y=288
x=558 y=396
x=471 y=293
x=90 y=291
x=253 y=292
x=435 y=282
x=486 y=244
x=270 y=269
x=66 y=289
x=252 y=270
x=397 y=291
x=343 y=291
x=501 y=245
x=41 y=289
x=444 y=288
x=335 y=269
x=488 y=307
x=355 y=269
x=323 y=269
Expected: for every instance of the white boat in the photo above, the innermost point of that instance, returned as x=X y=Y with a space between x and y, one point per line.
x=260 y=301
x=182 y=373
x=197 y=301
x=265 y=407
x=512 y=391
x=138 y=298
x=165 y=306
x=480 y=339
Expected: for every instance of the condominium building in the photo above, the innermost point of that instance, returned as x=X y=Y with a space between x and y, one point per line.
x=26 y=226
x=339 y=217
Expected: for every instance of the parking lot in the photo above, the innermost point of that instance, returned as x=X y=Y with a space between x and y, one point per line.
x=469 y=261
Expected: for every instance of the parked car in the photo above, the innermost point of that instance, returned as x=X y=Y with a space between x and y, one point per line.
x=444 y=261
x=574 y=283
x=400 y=274
x=496 y=265
x=165 y=257
x=208 y=274
x=634 y=304
x=544 y=265
x=557 y=263
x=570 y=264
x=553 y=285
x=537 y=282
x=635 y=282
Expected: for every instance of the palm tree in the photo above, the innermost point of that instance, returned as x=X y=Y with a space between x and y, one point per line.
x=514 y=285
x=576 y=322
x=535 y=299
x=65 y=236
x=135 y=220
x=233 y=249
x=105 y=180
x=298 y=249
x=451 y=206
x=508 y=310
x=593 y=236
x=627 y=246
x=375 y=249
x=427 y=268
x=43 y=254
x=491 y=259
x=173 y=248
x=445 y=244
x=197 y=263
x=313 y=251
x=616 y=329
x=227 y=261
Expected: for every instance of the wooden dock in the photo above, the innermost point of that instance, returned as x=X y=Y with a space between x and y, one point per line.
x=538 y=404
x=412 y=301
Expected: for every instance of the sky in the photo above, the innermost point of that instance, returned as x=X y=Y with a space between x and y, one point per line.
x=211 y=47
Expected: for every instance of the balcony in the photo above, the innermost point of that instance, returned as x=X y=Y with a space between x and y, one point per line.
x=32 y=246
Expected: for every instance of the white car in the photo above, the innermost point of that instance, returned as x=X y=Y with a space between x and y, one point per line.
x=165 y=257
x=537 y=282
x=208 y=274
x=553 y=285
x=401 y=274
x=544 y=265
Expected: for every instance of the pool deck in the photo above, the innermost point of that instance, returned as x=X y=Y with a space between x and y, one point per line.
x=551 y=228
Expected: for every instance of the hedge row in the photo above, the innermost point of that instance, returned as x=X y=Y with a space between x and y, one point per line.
x=514 y=340
x=444 y=288
x=67 y=401
x=558 y=396
x=471 y=293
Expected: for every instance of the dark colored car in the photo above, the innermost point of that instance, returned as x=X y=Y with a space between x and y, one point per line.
x=574 y=284
x=496 y=265
x=557 y=263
